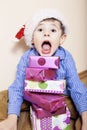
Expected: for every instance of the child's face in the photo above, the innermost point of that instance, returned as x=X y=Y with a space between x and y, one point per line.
x=47 y=37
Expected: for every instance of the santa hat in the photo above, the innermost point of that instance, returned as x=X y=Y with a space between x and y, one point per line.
x=29 y=27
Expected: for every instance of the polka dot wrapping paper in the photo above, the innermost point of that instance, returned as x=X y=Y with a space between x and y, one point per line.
x=49 y=86
x=44 y=62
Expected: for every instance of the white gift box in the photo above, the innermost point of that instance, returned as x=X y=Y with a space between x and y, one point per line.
x=58 y=122
x=50 y=86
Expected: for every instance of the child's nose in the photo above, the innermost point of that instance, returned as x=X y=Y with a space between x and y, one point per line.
x=46 y=33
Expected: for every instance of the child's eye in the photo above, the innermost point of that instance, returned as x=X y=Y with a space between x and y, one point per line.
x=53 y=30
x=40 y=29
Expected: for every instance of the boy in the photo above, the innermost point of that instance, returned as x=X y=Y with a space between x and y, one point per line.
x=44 y=33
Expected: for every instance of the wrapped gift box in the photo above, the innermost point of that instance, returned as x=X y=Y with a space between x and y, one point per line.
x=49 y=102
x=58 y=122
x=44 y=62
x=42 y=113
x=50 y=86
x=40 y=74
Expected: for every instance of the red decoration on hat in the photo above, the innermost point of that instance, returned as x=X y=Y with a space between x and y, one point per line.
x=20 y=33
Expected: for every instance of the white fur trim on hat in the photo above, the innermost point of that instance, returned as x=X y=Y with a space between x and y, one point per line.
x=32 y=23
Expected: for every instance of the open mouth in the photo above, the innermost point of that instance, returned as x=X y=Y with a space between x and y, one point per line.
x=46 y=47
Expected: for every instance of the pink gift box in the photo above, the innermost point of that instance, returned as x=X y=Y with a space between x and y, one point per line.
x=49 y=102
x=44 y=62
x=58 y=122
x=40 y=74
x=42 y=113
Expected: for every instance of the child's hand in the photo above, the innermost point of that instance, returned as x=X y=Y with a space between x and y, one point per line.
x=84 y=120
x=84 y=127
x=9 y=124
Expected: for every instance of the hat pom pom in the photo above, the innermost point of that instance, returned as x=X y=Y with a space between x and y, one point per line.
x=20 y=33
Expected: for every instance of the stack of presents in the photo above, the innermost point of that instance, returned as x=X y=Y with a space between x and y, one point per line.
x=48 y=110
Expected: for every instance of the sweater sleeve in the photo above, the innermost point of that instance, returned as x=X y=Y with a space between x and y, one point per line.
x=17 y=87
x=76 y=88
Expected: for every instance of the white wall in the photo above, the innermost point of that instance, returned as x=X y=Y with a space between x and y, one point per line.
x=14 y=13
